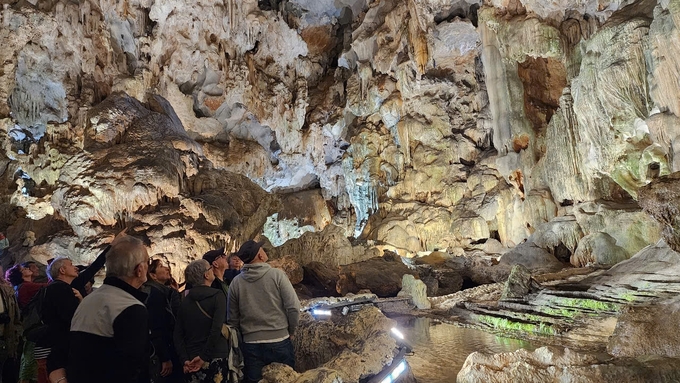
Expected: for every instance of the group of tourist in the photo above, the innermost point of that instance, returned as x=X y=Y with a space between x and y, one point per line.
x=235 y=315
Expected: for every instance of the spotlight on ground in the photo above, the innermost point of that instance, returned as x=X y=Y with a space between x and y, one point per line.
x=321 y=313
x=397 y=333
x=398 y=370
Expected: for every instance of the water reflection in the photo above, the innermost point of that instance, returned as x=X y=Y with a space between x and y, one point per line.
x=440 y=349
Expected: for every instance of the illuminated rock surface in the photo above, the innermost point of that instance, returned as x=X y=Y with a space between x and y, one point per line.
x=344 y=348
x=496 y=133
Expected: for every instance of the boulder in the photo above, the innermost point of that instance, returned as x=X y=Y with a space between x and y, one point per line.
x=431 y=284
x=481 y=268
x=534 y=258
x=435 y=258
x=553 y=364
x=329 y=246
x=598 y=249
x=417 y=290
x=353 y=346
x=380 y=276
x=661 y=199
x=647 y=330
x=292 y=269
x=320 y=277
x=448 y=280
x=518 y=284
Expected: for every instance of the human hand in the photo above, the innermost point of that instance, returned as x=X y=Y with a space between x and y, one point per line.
x=166 y=368
x=58 y=376
x=194 y=364
x=77 y=294
x=122 y=234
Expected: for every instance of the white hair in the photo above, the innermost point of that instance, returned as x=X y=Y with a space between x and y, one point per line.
x=124 y=256
x=53 y=268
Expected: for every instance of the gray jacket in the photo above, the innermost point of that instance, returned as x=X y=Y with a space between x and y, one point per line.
x=262 y=304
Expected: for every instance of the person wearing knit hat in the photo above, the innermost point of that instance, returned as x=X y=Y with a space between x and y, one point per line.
x=263 y=305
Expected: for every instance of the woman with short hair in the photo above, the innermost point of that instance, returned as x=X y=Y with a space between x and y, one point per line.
x=198 y=336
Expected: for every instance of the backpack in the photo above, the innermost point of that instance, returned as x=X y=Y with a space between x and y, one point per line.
x=34 y=328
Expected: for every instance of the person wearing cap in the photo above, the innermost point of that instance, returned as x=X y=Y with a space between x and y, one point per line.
x=263 y=305
x=218 y=261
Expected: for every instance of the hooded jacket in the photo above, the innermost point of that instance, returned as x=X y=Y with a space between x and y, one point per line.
x=195 y=333
x=263 y=304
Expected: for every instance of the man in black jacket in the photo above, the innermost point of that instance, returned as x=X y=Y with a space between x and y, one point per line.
x=109 y=334
x=62 y=298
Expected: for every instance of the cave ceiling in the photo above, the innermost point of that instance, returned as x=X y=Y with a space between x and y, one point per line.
x=409 y=125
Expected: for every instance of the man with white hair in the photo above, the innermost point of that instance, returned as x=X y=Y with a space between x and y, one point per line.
x=109 y=335
x=62 y=297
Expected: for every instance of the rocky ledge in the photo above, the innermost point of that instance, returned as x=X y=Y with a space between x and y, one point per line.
x=617 y=323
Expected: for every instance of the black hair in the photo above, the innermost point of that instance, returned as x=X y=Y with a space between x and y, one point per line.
x=14 y=275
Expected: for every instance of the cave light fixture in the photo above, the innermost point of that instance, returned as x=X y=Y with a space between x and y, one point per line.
x=321 y=313
x=394 y=375
x=397 y=333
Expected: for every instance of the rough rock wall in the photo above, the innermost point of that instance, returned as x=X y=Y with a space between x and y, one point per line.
x=425 y=124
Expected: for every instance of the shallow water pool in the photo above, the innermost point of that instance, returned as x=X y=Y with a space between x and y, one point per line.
x=440 y=349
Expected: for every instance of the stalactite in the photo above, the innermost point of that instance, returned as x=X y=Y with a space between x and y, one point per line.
x=366 y=75
x=418 y=39
x=232 y=17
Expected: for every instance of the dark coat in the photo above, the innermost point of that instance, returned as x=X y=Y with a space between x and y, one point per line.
x=59 y=305
x=109 y=338
x=161 y=321
x=195 y=333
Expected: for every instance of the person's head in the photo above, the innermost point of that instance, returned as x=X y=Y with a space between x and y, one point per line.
x=217 y=259
x=128 y=260
x=2 y=236
x=199 y=273
x=18 y=274
x=33 y=267
x=61 y=268
x=252 y=252
x=159 y=272
x=235 y=263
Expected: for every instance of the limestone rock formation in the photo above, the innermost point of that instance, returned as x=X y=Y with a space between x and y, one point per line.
x=419 y=125
x=660 y=200
x=138 y=168
x=518 y=284
x=379 y=275
x=647 y=330
x=346 y=348
x=532 y=257
x=549 y=363
x=330 y=246
x=292 y=269
x=416 y=290
x=598 y=249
